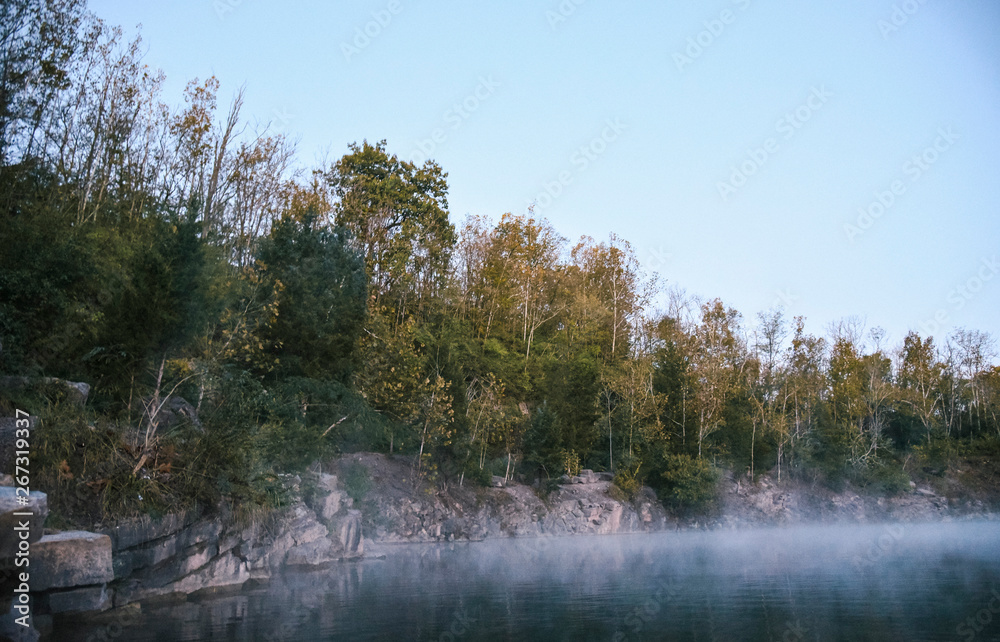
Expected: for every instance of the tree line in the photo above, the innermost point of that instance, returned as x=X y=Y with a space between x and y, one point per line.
x=161 y=252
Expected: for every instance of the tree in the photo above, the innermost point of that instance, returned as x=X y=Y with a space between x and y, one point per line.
x=766 y=384
x=398 y=215
x=610 y=273
x=319 y=290
x=974 y=350
x=673 y=376
x=805 y=385
x=717 y=363
x=39 y=43
x=919 y=377
x=630 y=400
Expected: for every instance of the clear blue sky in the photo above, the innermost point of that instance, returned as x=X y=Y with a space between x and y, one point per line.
x=824 y=106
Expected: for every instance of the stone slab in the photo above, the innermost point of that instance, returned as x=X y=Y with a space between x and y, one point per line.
x=71 y=558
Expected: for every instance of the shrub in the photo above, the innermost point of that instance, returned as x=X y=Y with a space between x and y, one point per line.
x=357 y=480
x=689 y=483
x=570 y=462
x=627 y=479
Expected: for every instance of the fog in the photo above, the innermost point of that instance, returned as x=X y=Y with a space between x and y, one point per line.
x=872 y=582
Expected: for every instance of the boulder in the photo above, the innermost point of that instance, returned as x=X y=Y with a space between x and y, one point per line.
x=71 y=558
x=302 y=541
x=329 y=499
x=313 y=553
x=38 y=505
x=174 y=411
x=76 y=392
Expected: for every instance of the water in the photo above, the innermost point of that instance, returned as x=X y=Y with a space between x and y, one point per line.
x=894 y=582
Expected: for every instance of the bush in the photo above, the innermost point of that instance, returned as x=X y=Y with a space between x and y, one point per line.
x=570 y=462
x=934 y=455
x=357 y=480
x=689 y=483
x=627 y=479
x=884 y=477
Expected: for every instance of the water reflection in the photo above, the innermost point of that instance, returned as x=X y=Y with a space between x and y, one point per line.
x=897 y=582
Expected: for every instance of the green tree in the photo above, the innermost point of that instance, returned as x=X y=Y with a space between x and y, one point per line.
x=319 y=290
x=397 y=212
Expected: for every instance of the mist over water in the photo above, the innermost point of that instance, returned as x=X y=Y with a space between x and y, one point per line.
x=878 y=582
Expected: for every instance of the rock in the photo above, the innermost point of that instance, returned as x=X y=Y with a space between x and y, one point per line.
x=174 y=411
x=155 y=552
x=313 y=553
x=38 y=505
x=351 y=538
x=302 y=541
x=224 y=570
x=144 y=530
x=329 y=499
x=76 y=392
x=89 y=599
x=645 y=514
x=72 y=558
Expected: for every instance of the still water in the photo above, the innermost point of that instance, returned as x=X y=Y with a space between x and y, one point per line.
x=890 y=582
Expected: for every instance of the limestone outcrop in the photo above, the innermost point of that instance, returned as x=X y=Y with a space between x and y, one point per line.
x=399 y=509
x=80 y=571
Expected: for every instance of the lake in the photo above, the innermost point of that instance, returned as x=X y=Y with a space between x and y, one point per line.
x=907 y=582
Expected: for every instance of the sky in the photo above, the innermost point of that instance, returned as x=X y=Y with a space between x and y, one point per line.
x=835 y=159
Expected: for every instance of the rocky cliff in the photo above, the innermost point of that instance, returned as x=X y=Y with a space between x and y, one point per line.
x=81 y=571
x=400 y=508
